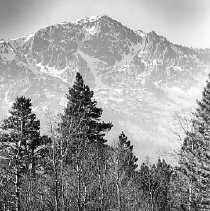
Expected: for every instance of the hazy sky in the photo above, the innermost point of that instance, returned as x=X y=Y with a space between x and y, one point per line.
x=184 y=22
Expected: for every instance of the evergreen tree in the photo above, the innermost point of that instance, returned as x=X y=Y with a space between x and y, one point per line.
x=155 y=182
x=123 y=170
x=20 y=141
x=179 y=194
x=195 y=155
x=82 y=139
x=163 y=175
x=126 y=157
x=81 y=110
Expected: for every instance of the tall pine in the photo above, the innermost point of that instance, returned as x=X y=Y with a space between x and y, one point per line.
x=123 y=170
x=195 y=155
x=155 y=182
x=20 y=140
x=83 y=143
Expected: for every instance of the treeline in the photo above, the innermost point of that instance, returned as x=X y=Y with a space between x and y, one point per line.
x=74 y=169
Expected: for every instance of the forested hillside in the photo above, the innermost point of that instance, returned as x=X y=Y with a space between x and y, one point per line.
x=72 y=168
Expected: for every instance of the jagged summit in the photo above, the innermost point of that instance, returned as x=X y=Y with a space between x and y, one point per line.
x=100 y=37
x=83 y=20
x=87 y=20
x=91 y=19
x=141 y=33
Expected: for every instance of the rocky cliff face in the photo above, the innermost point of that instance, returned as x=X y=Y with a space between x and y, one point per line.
x=140 y=79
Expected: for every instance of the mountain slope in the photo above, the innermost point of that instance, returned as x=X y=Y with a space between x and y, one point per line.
x=140 y=79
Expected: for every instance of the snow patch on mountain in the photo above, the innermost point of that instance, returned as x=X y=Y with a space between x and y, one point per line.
x=52 y=71
x=141 y=33
x=28 y=37
x=92 y=30
x=88 y=19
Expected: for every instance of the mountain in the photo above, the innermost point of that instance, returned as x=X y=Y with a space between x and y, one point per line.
x=140 y=79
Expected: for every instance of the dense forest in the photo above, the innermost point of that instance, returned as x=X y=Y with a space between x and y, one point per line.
x=72 y=168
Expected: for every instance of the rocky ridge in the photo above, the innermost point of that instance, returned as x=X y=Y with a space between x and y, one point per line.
x=140 y=79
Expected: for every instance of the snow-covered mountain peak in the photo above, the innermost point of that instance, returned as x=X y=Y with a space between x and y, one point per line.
x=90 y=19
x=139 y=78
x=86 y=20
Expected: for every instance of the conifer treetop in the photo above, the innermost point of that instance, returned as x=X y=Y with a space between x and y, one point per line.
x=82 y=112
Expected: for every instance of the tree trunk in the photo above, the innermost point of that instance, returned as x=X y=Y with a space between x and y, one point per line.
x=56 y=176
x=85 y=198
x=118 y=184
x=42 y=203
x=62 y=189
x=17 y=188
x=100 y=181
x=152 y=203
x=79 y=203
x=29 y=190
x=190 y=197
x=56 y=193
x=118 y=195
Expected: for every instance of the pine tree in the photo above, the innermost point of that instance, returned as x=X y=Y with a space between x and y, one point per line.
x=179 y=195
x=127 y=158
x=82 y=137
x=20 y=140
x=163 y=175
x=195 y=155
x=155 y=182
x=123 y=169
